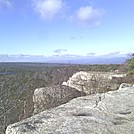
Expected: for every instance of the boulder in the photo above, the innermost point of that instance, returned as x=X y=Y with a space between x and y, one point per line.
x=123 y=85
x=92 y=82
x=109 y=113
x=50 y=97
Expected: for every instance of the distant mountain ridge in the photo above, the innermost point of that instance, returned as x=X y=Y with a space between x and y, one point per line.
x=67 y=58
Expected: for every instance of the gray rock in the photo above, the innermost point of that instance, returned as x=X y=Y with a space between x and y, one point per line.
x=92 y=82
x=50 y=97
x=109 y=113
x=123 y=85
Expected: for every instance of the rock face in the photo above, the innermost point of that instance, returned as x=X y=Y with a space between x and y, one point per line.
x=123 y=85
x=109 y=113
x=50 y=97
x=92 y=82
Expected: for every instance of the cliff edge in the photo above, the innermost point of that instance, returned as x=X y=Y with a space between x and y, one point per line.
x=103 y=113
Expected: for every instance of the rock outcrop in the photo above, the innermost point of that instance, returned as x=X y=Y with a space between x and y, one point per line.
x=50 y=97
x=123 y=85
x=109 y=113
x=92 y=82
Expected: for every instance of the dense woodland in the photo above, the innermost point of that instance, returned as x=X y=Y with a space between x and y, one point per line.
x=19 y=80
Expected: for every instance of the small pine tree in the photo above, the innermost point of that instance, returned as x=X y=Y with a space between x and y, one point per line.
x=131 y=65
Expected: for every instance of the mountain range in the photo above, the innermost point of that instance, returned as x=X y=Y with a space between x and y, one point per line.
x=91 y=58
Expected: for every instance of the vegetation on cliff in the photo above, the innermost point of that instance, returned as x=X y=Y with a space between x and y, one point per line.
x=19 y=80
x=130 y=64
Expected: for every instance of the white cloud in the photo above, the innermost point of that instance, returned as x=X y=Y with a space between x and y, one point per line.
x=60 y=50
x=91 y=54
x=5 y=3
x=48 y=9
x=89 y=16
x=76 y=37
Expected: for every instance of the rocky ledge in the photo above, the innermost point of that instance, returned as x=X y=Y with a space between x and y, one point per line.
x=94 y=82
x=109 y=113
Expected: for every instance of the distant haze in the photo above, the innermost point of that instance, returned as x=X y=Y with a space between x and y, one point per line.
x=112 y=58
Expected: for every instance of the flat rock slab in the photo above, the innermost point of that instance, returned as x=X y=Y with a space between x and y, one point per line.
x=109 y=113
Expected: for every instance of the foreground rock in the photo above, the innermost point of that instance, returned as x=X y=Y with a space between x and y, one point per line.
x=50 y=97
x=109 y=113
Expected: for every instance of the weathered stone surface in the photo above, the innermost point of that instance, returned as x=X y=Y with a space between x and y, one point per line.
x=93 y=82
x=123 y=85
x=109 y=113
x=50 y=97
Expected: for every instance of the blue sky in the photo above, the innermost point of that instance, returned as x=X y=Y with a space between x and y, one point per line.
x=75 y=27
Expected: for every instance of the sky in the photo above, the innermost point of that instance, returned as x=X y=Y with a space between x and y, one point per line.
x=73 y=27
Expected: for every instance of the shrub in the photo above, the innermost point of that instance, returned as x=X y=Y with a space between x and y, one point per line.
x=131 y=65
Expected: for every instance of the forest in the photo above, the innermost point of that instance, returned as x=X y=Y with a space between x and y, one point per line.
x=19 y=80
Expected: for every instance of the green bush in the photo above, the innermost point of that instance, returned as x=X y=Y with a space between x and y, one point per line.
x=131 y=65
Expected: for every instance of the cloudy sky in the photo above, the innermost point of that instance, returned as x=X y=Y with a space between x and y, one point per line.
x=79 y=27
